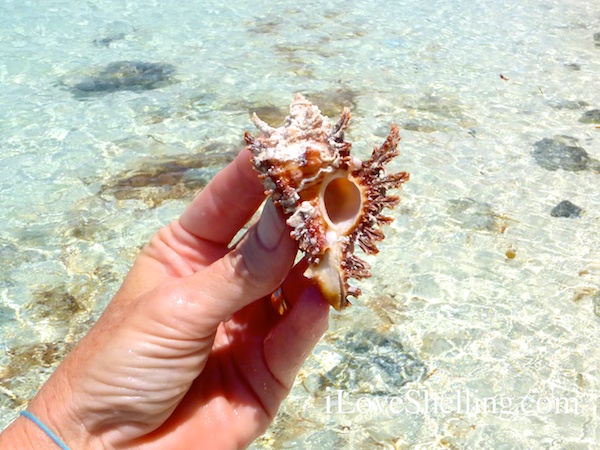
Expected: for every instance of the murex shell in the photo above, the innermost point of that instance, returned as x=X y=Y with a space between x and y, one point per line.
x=332 y=199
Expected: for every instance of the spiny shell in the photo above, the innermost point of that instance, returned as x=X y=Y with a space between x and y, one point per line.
x=333 y=200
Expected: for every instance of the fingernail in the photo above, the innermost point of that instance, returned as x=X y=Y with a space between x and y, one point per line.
x=270 y=227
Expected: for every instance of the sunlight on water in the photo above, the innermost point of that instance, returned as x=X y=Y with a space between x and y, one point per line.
x=479 y=327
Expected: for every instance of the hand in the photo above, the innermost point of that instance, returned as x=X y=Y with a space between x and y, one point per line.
x=189 y=353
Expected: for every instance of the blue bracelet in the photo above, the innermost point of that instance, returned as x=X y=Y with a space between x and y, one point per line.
x=45 y=429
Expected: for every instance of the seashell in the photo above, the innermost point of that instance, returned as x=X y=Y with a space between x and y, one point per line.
x=333 y=200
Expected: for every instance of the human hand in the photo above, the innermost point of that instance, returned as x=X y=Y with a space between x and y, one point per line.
x=190 y=352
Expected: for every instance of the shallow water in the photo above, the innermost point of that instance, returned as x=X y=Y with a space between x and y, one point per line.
x=478 y=292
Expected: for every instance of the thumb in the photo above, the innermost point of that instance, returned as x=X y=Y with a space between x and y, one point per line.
x=254 y=268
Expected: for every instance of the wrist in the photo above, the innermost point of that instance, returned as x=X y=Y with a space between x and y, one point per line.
x=28 y=432
x=23 y=434
x=55 y=409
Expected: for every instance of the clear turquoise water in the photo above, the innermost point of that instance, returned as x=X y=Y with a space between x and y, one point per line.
x=72 y=218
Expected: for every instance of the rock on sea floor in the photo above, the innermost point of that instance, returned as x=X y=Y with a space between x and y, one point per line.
x=591 y=116
x=569 y=104
x=122 y=76
x=373 y=363
x=566 y=209
x=560 y=153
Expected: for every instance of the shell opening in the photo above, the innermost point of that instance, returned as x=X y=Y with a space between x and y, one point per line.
x=342 y=201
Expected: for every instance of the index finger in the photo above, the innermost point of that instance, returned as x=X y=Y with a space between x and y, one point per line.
x=226 y=204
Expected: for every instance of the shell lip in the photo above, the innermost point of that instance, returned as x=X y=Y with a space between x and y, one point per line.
x=341 y=202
